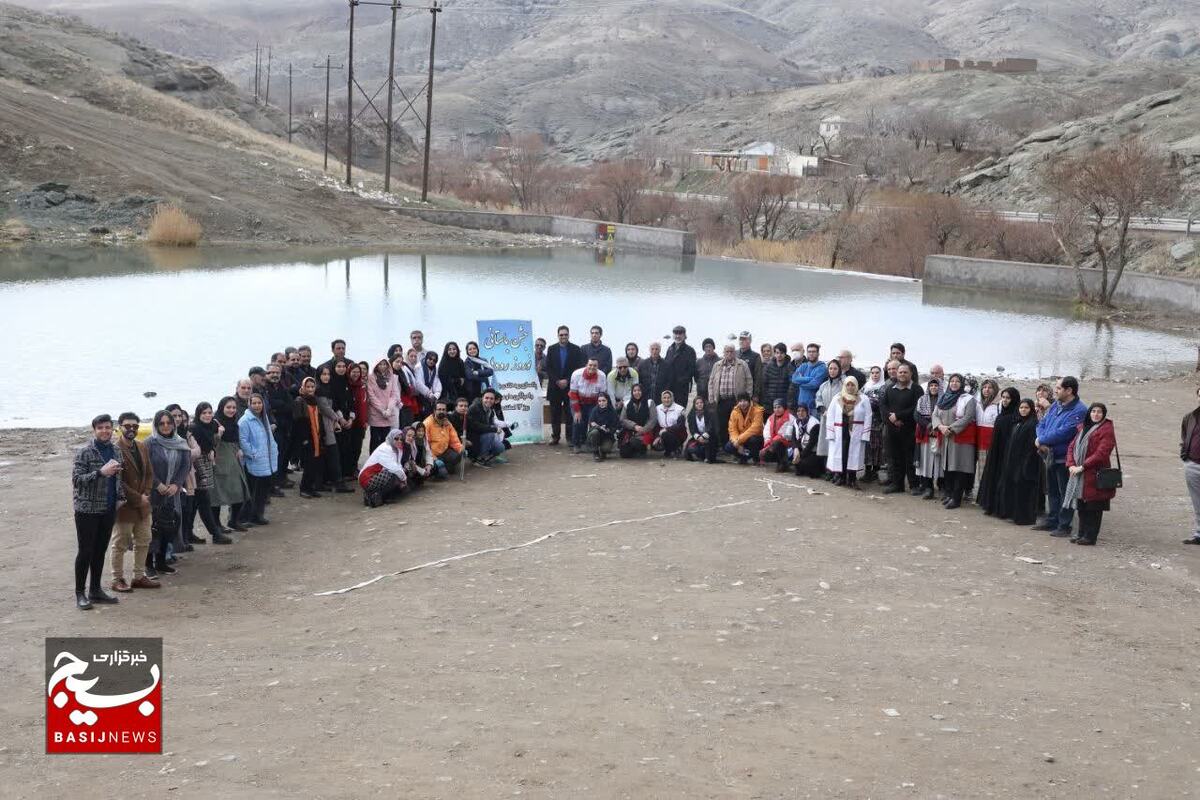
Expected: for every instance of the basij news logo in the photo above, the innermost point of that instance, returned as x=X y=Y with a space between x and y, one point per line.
x=104 y=695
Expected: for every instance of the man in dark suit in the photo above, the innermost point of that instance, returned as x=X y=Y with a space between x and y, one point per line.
x=680 y=365
x=562 y=359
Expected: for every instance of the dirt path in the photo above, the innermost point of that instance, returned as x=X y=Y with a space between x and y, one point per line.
x=747 y=651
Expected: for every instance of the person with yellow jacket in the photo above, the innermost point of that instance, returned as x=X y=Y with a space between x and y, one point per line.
x=745 y=430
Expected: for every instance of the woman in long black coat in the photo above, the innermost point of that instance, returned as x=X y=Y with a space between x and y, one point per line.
x=1022 y=467
x=991 y=498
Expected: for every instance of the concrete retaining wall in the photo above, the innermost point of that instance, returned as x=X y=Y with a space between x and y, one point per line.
x=637 y=237
x=1154 y=292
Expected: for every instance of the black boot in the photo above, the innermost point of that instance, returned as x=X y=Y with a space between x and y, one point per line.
x=98 y=595
x=342 y=488
x=220 y=538
x=82 y=602
x=928 y=493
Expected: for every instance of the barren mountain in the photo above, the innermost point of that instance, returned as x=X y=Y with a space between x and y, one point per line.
x=572 y=69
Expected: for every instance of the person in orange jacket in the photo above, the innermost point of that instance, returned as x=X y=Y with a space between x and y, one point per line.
x=745 y=430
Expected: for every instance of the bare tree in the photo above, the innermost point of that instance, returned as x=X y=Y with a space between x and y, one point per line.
x=621 y=184
x=758 y=202
x=1096 y=195
x=524 y=165
x=846 y=190
x=959 y=132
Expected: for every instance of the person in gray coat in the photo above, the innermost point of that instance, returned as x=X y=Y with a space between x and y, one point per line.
x=956 y=410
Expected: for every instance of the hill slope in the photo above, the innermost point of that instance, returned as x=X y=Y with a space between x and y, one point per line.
x=95 y=130
x=572 y=69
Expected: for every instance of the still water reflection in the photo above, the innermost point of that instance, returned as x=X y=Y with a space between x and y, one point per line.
x=91 y=330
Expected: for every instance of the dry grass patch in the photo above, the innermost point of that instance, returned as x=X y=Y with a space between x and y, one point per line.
x=172 y=226
x=791 y=251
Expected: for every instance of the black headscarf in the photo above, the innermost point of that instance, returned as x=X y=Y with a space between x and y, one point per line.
x=343 y=399
x=204 y=433
x=325 y=389
x=1014 y=401
x=452 y=371
x=230 y=423
x=950 y=396
x=637 y=411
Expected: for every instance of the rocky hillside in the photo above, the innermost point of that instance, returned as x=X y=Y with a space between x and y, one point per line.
x=1170 y=119
x=1006 y=107
x=573 y=69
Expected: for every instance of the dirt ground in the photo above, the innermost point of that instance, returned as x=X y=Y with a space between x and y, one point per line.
x=832 y=645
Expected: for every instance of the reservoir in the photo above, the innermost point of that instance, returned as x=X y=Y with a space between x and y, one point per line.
x=90 y=330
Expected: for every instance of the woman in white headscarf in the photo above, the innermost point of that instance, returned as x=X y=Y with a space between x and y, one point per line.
x=849 y=429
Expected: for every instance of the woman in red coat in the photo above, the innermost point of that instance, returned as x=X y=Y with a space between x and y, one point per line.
x=1089 y=453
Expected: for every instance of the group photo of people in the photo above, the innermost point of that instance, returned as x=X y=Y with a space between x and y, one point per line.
x=415 y=415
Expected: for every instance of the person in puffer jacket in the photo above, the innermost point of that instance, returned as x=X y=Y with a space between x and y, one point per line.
x=809 y=376
x=587 y=383
x=777 y=376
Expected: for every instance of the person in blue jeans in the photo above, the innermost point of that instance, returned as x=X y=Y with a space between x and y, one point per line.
x=1054 y=435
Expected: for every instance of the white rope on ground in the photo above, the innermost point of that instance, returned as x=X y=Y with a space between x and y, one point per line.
x=538 y=540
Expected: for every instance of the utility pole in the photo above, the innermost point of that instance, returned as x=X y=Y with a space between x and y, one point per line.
x=387 y=151
x=328 y=67
x=434 y=10
x=350 y=98
x=267 y=100
x=257 y=64
x=289 y=102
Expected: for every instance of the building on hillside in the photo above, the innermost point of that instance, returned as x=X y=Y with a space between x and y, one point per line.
x=1007 y=66
x=835 y=127
x=759 y=157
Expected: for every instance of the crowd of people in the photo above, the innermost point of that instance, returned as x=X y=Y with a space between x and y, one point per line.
x=1034 y=461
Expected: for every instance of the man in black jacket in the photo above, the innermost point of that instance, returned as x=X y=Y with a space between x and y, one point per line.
x=562 y=359
x=279 y=406
x=680 y=363
x=898 y=406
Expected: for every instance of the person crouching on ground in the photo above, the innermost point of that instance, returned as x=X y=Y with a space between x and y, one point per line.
x=702 y=433
x=484 y=431
x=444 y=444
x=418 y=460
x=777 y=435
x=745 y=430
x=383 y=477
x=1089 y=453
x=602 y=427
x=638 y=420
x=97 y=493
x=803 y=450
x=671 y=428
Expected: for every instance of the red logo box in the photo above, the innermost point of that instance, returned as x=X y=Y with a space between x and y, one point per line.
x=104 y=695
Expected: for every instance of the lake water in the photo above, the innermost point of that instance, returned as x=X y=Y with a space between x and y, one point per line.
x=89 y=330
